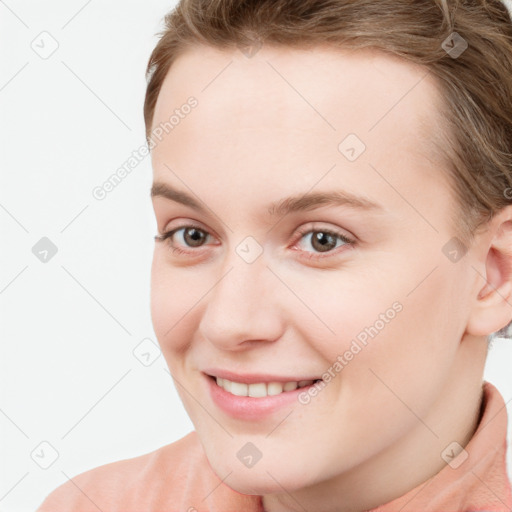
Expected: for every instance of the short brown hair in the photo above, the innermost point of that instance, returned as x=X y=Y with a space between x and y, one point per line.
x=476 y=143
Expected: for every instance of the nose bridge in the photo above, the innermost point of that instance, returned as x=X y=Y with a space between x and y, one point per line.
x=242 y=288
x=241 y=305
x=244 y=274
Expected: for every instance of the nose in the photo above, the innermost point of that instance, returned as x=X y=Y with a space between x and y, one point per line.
x=243 y=307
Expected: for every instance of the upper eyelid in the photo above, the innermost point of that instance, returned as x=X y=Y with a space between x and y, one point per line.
x=187 y=224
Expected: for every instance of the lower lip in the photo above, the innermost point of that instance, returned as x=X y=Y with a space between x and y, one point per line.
x=248 y=407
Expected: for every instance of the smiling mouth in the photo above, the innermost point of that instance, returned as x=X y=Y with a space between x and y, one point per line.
x=260 y=389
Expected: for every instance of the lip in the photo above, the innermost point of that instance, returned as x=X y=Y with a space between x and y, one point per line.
x=253 y=378
x=251 y=408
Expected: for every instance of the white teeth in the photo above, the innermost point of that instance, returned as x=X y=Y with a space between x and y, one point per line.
x=239 y=388
x=260 y=389
x=274 y=388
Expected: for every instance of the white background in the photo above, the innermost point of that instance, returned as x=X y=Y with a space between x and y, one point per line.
x=69 y=326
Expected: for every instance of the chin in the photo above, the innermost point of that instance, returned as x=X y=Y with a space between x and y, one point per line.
x=264 y=477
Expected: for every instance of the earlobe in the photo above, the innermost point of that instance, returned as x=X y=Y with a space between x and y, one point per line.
x=492 y=312
x=493 y=304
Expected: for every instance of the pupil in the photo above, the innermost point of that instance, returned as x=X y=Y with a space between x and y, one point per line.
x=323 y=239
x=196 y=234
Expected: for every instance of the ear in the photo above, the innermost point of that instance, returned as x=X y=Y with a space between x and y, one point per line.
x=493 y=304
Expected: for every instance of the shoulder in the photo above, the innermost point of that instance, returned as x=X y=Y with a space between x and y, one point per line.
x=130 y=484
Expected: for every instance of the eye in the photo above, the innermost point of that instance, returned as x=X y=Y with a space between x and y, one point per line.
x=192 y=235
x=323 y=241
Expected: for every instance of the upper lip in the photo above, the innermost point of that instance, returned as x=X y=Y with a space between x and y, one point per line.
x=252 y=378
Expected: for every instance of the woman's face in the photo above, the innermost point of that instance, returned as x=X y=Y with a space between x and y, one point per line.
x=363 y=289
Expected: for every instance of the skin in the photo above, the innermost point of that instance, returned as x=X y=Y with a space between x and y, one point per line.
x=378 y=428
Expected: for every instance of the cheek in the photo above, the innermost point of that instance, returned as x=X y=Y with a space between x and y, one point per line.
x=409 y=360
x=400 y=321
x=172 y=303
x=344 y=309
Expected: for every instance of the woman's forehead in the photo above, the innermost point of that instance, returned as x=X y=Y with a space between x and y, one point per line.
x=292 y=114
x=291 y=98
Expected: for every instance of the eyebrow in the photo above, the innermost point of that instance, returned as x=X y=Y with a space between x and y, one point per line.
x=296 y=203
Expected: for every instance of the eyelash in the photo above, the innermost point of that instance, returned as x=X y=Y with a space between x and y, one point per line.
x=167 y=237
